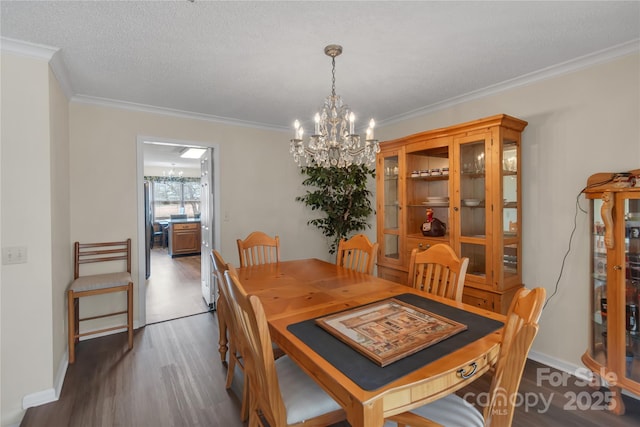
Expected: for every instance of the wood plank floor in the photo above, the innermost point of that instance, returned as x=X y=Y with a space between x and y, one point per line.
x=173 y=288
x=173 y=377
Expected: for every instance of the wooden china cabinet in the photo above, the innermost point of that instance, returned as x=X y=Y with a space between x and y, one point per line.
x=468 y=175
x=614 y=338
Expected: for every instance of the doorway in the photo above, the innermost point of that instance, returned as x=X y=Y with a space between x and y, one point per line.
x=171 y=201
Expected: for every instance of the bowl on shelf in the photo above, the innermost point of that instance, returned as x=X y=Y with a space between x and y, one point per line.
x=471 y=202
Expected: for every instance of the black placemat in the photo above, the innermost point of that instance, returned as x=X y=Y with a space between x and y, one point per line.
x=366 y=373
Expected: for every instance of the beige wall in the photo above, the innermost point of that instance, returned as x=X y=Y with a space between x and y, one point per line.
x=27 y=340
x=258 y=182
x=579 y=124
x=61 y=252
x=258 y=179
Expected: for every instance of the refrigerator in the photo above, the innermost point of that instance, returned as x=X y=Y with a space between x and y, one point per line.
x=148 y=229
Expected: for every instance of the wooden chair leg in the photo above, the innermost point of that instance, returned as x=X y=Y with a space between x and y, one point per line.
x=130 y=314
x=222 y=330
x=231 y=367
x=244 y=406
x=71 y=319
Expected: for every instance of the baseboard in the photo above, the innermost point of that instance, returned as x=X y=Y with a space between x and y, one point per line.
x=51 y=394
x=61 y=373
x=136 y=325
x=39 y=398
x=102 y=334
x=579 y=371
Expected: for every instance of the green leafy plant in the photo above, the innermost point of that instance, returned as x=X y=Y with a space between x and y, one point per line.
x=341 y=194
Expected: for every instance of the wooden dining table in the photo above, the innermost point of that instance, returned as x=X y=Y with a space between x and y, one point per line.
x=297 y=291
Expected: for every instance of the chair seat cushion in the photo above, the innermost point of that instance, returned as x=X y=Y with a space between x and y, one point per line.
x=450 y=411
x=100 y=281
x=302 y=397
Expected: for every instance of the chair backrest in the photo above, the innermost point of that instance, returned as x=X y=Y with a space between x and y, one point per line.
x=85 y=253
x=218 y=264
x=439 y=271
x=218 y=268
x=258 y=248
x=257 y=350
x=357 y=253
x=518 y=334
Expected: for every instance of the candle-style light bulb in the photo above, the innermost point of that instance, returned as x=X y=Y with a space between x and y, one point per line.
x=352 y=121
x=317 y=120
x=372 y=124
x=296 y=126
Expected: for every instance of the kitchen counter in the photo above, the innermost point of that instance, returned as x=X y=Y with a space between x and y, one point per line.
x=184 y=236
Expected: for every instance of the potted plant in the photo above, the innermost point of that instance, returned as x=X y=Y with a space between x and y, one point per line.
x=341 y=193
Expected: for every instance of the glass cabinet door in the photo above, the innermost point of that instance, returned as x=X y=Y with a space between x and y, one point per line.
x=390 y=245
x=472 y=215
x=632 y=287
x=598 y=340
x=510 y=200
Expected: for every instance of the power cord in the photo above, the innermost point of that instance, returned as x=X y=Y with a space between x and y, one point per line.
x=575 y=225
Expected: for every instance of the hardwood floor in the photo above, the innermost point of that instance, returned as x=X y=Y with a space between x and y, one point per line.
x=173 y=377
x=173 y=288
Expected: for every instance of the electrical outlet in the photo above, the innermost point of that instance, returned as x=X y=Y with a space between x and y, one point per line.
x=14 y=255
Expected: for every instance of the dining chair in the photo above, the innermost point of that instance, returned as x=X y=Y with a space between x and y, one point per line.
x=439 y=271
x=227 y=322
x=117 y=256
x=157 y=232
x=258 y=248
x=281 y=392
x=519 y=331
x=357 y=253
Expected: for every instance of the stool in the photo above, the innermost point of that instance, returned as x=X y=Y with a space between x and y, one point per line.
x=98 y=284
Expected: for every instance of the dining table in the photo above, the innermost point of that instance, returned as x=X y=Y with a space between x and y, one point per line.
x=295 y=293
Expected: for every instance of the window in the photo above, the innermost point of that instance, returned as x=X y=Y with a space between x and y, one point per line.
x=171 y=196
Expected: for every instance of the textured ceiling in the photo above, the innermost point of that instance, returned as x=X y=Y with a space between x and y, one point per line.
x=262 y=63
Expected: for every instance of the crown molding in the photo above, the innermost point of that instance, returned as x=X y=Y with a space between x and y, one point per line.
x=53 y=56
x=31 y=50
x=60 y=71
x=143 y=108
x=592 y=59
x=41 y=52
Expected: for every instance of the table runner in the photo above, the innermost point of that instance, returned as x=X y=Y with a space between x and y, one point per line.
x=366 y=373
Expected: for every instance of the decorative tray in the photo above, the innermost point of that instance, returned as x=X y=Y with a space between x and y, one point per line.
x=388 y=330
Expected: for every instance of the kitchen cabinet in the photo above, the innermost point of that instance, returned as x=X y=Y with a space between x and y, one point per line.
x=468 y=176
x=614 y=332
x=184 y=238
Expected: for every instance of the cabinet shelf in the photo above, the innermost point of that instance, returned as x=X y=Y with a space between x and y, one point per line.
x=430 y=178
x=428 y=205
x=421 y=236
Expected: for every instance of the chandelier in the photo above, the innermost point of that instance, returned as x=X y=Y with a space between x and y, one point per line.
x=334 y=142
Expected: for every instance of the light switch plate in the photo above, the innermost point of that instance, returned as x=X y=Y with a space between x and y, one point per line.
x=14 y=255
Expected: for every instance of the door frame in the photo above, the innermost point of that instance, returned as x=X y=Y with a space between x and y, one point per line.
x=141 y=240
